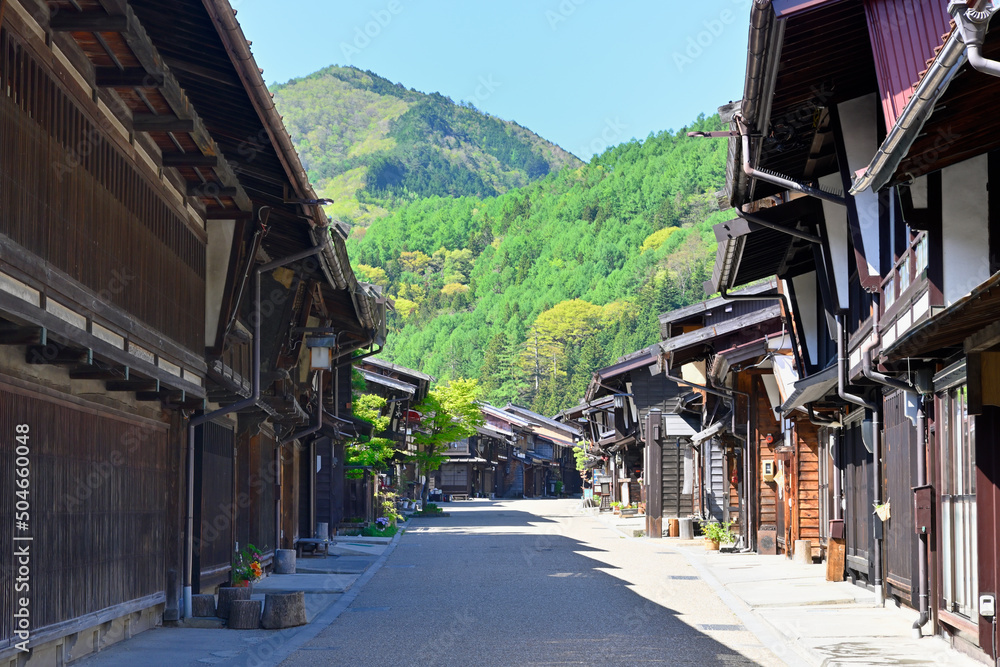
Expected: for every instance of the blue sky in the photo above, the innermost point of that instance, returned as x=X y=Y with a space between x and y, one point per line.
x=582 y=73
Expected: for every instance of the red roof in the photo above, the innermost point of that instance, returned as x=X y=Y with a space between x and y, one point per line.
x=904 y=34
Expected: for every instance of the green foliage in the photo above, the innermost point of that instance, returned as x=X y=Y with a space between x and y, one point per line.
x=373 y=145
x=449 y=413
x=375 y=531
x=718 y=532
x=583 y=260
x=580 y=455
x=369 y=451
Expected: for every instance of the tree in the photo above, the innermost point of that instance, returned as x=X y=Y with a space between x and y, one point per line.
x=448 y=414
x=365 y=450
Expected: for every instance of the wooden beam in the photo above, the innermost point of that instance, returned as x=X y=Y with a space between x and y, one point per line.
x=133 y=385
x=984 y=339
x=132 y=77
x=189 y=160
x=56 y=354
x=227 y=214
x=150 y=396
x=974 y=383
x=99 y=372
x=12 y=334
x=150 y=59
x=87 y=22
x=148 y=122
x=211 y=190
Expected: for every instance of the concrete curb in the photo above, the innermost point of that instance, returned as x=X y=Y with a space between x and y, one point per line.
x=292 y=642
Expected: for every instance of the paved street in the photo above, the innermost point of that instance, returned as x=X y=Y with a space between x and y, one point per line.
x=531 y=582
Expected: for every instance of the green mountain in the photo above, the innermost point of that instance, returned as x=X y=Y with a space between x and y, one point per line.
x=372 y=145
x=533 y=289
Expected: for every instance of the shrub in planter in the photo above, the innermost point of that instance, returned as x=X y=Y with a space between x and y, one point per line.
x=717 y=533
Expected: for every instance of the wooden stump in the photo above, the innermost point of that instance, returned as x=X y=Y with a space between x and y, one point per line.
x=244 y=615
x=284 y=610
x=284 y=561
x=202 y=605
x=227 y=595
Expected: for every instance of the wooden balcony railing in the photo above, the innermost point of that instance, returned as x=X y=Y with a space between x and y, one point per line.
x=907 y=294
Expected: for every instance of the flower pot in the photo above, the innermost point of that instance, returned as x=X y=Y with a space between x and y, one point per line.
x=711 y=545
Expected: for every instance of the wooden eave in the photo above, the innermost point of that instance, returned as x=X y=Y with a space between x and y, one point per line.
x=825 y=58
x=124 y=59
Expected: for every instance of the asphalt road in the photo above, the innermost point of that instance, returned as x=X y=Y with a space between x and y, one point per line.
x=531 y=582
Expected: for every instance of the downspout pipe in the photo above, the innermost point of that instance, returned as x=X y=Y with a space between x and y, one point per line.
x=251 y=401
x=867 y=368
x=973 y=23
x=778 y=179
x=842 y=369
x=922 y=552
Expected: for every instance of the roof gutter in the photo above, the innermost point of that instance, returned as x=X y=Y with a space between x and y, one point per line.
x=775 y=178
x=911 y=121
x=765 y=30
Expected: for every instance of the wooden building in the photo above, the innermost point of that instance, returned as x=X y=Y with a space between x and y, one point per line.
x=641 y=423
x=860 y=169
x=147 y=187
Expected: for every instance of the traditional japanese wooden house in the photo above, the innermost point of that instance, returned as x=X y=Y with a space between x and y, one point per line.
x=553 y=450
x=513 y=474
x=701 y=344
x=889 y=283
x=403 y=388
x=147 y=187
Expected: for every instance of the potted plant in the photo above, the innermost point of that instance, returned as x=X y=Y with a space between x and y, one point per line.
x=716 y=533
x=246 y=566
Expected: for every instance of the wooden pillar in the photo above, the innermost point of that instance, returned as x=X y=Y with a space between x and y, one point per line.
x=653 y=474
x=988 y=516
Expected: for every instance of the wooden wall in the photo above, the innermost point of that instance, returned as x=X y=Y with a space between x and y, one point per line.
x=72 y=196
x=98 y=507
x=216 y=511
x=899 y=473
x=856 y=463
x=763 y=424
x=675 y=503
x=806 y=523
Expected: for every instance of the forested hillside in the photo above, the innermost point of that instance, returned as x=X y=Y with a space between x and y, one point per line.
x=372 y=145
x=532 y=290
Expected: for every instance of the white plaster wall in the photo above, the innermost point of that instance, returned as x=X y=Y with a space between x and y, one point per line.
x=836 y=232
x=859 y=123
x=805 y=297
x=220 y=244
x=965 y=214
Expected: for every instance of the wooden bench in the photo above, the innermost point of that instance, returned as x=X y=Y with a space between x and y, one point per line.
x=314 y=544
x=458 y=496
